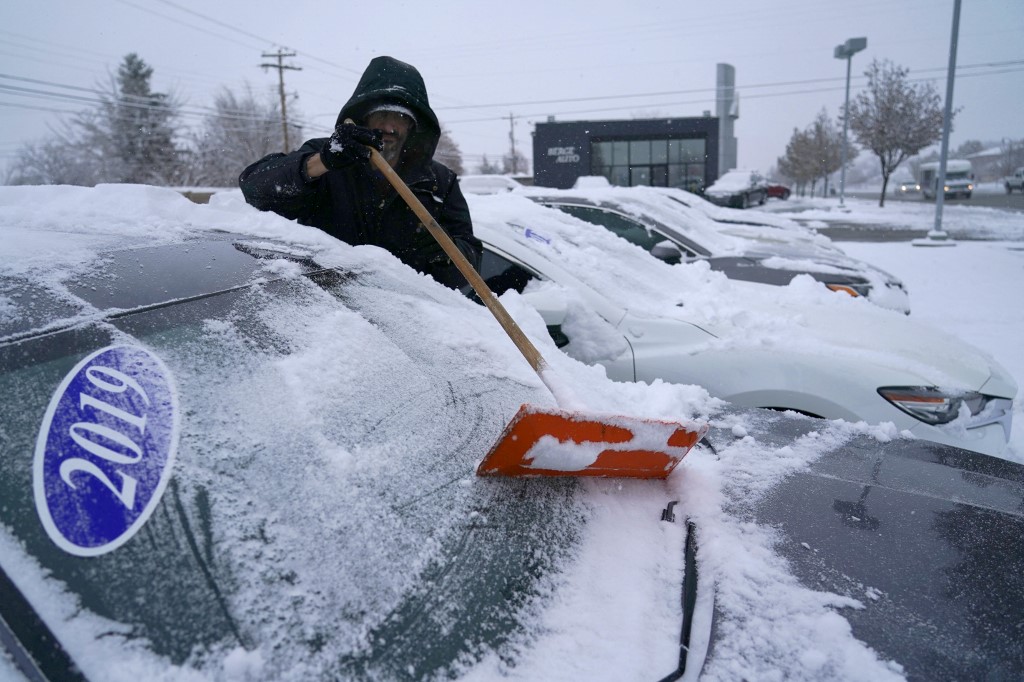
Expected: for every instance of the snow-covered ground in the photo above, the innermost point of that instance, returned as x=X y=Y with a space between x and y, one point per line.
x=970 y=289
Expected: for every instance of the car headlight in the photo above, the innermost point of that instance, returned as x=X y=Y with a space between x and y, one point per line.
x=933 y=405
x=854 y=290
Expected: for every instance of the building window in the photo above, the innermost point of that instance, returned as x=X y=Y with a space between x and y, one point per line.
x=657 y=162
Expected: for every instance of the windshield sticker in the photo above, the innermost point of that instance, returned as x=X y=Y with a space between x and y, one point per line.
x=530 y=234
x=105 y=450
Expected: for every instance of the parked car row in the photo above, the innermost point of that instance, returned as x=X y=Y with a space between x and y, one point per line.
x=235 y=448
x=697 y=324
x=666 y=223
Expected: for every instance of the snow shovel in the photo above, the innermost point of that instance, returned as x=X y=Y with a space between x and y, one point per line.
x=541 y=441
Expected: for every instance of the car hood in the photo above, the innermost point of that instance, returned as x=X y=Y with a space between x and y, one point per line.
x=918 y=537
x=862 y=334
x=808 y=256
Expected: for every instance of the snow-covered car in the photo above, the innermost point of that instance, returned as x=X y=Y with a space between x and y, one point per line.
x=232 y=448
x=488 y=184
x=797 y=347
x=738 y=189
x=673 y=231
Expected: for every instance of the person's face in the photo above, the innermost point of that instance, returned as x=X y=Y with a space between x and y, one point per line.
x=396 y=128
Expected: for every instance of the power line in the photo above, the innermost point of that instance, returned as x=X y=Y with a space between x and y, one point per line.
x=101 y=97
x=252 y=35
x=698 y=90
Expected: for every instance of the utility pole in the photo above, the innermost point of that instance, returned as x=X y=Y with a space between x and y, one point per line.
x=512 y=139
x=281 y=66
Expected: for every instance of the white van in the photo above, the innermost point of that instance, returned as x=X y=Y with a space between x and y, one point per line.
x=959 y=179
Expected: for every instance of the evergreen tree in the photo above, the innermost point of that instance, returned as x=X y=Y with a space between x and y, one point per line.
x=135 y=129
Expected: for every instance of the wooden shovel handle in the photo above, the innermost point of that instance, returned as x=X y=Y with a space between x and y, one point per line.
x=523 y=343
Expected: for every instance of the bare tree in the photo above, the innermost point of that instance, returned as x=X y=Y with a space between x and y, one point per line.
x=488 y=168
x=58 y=161
x=241 y=129
x=798 y=163
x=813 y=153
x=826 y=144
x=517 y=165
x=893 y=118
x=448 y=152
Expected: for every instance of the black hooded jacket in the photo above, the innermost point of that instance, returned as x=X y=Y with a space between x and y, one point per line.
x=354 y=203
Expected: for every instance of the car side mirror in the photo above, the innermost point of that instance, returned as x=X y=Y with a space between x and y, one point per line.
x=667 y=251
x=551 y=305
x=553 y=308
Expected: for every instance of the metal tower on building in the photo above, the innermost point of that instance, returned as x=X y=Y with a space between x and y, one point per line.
x=727 y=109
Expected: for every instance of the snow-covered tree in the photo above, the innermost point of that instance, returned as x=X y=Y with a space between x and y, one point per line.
x=241 y=129
x=517 y=165
x=800 y=164
x=814 y=153
x=893 y=118
x=448 y=152
x=488 y=168
x=827 y=147
x=128 y=137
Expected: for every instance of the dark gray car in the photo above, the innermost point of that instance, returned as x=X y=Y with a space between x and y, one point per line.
x=245 y=550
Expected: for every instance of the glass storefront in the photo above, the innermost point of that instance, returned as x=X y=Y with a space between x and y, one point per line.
x=659 y=162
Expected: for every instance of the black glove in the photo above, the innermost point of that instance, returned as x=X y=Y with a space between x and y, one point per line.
x=348 y=144
x=424 y=244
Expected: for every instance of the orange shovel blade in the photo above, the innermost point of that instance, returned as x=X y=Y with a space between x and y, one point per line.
x=551 y=442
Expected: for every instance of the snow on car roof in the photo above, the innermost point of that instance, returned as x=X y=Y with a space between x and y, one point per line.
x=731 y=181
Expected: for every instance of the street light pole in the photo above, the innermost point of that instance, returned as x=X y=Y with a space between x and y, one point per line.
x=846 y=51
x=937 y=236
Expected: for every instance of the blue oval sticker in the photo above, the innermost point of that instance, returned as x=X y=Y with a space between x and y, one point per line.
x=105 y=449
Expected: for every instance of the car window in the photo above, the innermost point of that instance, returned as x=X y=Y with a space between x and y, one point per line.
x=631 y=230
x=500 y=274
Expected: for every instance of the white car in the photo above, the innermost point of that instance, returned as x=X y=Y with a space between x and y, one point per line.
x=797 y=347
x=488 y=184
x=663 y=223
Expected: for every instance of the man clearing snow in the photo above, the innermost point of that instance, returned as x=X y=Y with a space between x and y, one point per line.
x=329 y=183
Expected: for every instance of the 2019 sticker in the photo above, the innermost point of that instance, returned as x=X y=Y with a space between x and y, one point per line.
x=105 y=449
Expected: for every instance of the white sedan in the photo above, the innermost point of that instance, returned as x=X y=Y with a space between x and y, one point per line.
x=796 y=347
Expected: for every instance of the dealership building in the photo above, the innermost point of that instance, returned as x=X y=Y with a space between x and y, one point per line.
x=689 y=153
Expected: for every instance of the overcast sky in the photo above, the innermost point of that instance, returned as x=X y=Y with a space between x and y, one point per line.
x=484 y=61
